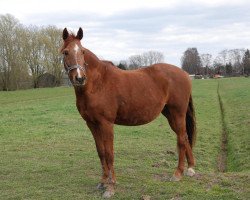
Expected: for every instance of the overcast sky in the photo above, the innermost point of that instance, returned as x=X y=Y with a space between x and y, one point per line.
x=117 y=29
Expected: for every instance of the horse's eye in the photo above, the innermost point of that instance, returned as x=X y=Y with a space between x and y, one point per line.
x=65 y=53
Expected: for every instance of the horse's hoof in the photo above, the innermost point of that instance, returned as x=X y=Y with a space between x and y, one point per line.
x=190 y=172
x=100 y=186
x=175 y=178
x=108 y=193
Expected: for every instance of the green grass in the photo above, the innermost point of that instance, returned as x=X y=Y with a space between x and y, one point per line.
x=235 y=95
x=47 y=151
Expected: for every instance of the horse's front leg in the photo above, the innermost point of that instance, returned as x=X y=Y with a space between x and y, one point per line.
x=104 y=138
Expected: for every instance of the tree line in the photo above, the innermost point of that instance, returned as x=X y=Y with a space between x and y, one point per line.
x=26 y=52
x=143 y=60
x=228 y=62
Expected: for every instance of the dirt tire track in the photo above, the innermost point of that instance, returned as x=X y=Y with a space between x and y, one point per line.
x=222 y=158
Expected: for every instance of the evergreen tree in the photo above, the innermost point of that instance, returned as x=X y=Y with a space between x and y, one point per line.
x=246 y=62
x=229 y=69
x=122 y=66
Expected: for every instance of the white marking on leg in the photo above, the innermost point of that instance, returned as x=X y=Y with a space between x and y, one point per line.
x=175 y=178
x=109 y=192
x=190 y=172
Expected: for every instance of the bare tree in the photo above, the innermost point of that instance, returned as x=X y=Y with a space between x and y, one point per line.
x=145 y=59
x=135 y=61
x=51 y=38
x=224 y=56
x=221 y=61
x=34 y=53
x=231 y=57
x=11 y=64
x=235 y=57
x=152 y=57
x=191 y=61
x=20 y=72
x=206 y=62
x=27 y=52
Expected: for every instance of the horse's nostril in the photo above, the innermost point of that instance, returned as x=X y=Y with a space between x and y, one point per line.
x=79 y=79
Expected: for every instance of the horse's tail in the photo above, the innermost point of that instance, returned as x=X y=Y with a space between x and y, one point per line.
x=191 y=123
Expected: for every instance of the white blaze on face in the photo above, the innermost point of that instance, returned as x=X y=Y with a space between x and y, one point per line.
x=78 y=73
x=76 y=49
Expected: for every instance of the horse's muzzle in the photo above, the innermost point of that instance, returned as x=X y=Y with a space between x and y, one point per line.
x=79 y=81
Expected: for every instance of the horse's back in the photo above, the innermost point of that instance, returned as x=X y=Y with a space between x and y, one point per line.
x=161 y=71
x=168 y=71
x=143 y=93
x=168 y=77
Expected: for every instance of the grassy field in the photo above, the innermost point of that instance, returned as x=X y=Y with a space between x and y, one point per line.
x=236 y=103
x=47 y=152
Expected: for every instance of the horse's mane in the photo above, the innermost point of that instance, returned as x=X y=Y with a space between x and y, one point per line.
x=109 y=62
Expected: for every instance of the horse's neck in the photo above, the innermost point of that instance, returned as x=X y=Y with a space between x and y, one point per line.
x=96 y=69
x=91 y=59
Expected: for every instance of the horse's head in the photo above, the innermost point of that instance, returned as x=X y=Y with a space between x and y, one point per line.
x=73 y=59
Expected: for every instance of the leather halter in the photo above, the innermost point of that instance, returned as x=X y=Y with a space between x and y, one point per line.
x=70 y=68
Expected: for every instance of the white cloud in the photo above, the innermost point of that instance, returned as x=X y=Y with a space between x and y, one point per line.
x=100 y=7
x=216 y=3
x=116 y=29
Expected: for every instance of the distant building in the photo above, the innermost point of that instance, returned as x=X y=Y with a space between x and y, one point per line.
x=218 y=76
x=65 y=80
x=196 y=76
x=46 y=80
x=192 y=76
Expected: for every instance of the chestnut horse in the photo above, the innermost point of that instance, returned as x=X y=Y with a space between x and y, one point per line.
x=107 y=95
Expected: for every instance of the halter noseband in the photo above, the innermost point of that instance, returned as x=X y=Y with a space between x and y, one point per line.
x=69 y=68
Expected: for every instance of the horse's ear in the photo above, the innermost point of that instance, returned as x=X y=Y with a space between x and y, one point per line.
x=65 y=34
x=79 y=34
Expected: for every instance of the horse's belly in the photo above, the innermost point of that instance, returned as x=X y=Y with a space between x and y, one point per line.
x=132 y=121
x=138 y=117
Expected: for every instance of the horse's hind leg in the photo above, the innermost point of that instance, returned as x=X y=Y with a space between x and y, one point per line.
x=177 y=121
